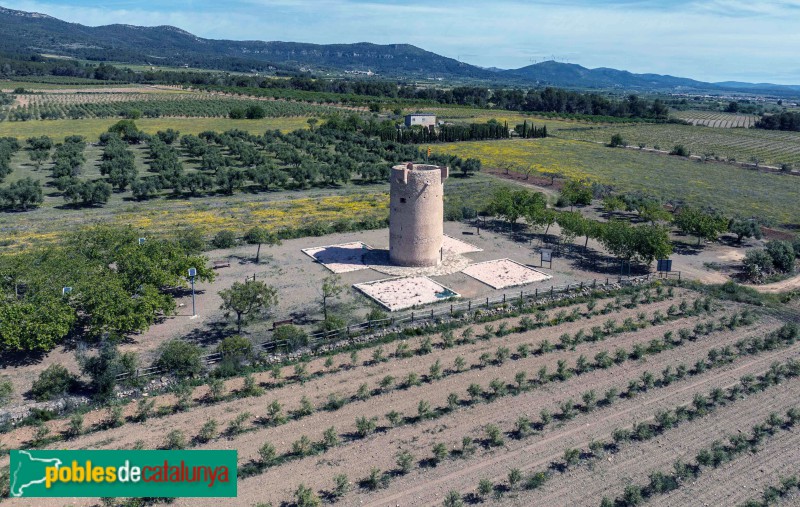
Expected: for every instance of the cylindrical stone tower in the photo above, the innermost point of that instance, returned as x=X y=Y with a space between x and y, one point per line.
x=416 y=214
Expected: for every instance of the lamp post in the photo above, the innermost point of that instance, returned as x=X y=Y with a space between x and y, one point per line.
x=192 y=274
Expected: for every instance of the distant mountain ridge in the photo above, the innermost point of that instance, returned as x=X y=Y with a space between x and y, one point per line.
x=26 y=32
x=22 y=32
x=573 y=75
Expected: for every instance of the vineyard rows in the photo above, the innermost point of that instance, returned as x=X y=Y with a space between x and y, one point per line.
x=506 y=406
x=104 y=105
x=765 y=147
x=715 y=119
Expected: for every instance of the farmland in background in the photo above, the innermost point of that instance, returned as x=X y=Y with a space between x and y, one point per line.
x=768 y=147
x=745 y=193
x=108 y=105
x=56 y=83
x=91 y=128
x=477 y=115
x=715 y=119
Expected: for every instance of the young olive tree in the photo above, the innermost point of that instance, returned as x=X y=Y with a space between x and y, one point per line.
x=248 y=299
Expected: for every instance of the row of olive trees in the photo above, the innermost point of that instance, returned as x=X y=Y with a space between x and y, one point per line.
x=626 y=241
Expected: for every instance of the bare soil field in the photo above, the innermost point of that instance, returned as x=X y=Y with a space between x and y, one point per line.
x=743 y=479
x=492 y=360
x=635 y=461
x=345 y=380
x=425 y=488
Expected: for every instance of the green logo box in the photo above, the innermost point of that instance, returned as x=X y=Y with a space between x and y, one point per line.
x=108 y=473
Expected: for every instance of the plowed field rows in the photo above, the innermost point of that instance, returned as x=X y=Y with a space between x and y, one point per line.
x=714 y=119
x=490 y=366
x=744 y=478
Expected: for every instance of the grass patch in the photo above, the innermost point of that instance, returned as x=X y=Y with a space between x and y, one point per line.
x=733 y=190
x=744 y=145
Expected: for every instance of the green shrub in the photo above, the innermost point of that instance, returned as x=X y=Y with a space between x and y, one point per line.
x=617 y=140
x=105 y=367
x=366 y=426
x=236 y=426
x=208 y=431
x=224 y=239
x=341 y=485
x=53 y=382
x=235 y=348
x=175 y=440
x=439 y=452
x=294 y=336
x=405 y=460
x=453 y=499
x=782 y=254
x=305 y=497
x=330 y=438
x=6 y=390
x=180 y=358
x=680 y=150
x=494 y=435
x=485 y=487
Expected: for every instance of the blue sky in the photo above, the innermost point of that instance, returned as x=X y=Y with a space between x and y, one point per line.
x=713 y=40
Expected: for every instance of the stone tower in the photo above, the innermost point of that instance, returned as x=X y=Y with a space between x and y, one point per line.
x=416 y=214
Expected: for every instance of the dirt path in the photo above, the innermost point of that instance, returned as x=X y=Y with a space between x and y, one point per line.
x=345 y=380
x=783 y=286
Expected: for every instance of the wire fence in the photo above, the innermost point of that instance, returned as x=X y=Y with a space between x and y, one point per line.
x=417 y=317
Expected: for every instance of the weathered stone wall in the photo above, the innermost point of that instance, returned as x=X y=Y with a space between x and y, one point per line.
x=416 y=214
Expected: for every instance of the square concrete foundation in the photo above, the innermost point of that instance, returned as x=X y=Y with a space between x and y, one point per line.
x=401 y=293
x=457 y=246
x=342 y=258
x=502 y=273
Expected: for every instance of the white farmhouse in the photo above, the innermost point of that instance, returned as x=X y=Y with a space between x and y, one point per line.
x=423 y=119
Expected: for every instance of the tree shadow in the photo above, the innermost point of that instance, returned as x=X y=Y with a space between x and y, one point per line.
x=598 y=262
x=300 y=317
x=683 y=248
x=21 y=358
x=210 y=333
